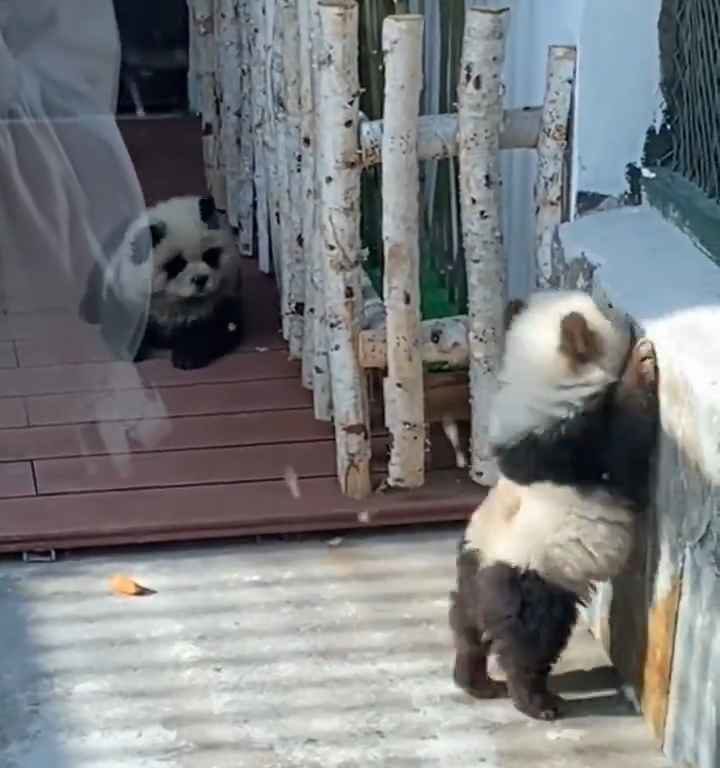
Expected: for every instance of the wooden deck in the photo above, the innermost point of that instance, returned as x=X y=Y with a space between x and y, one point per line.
x=95 y=451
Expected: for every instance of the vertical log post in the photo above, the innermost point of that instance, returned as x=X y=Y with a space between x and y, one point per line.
x=339 y=169
x=245 y=191
x=293 y=299
x=275 y=140
x=202 y=15
x=227 y=45
x=552 y=142
x=322 y=384
x=307 y=165
x=403 y=385
x=259 y=116
x=480 y=120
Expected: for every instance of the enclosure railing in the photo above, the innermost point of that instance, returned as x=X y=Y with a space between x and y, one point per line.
x=285 y=145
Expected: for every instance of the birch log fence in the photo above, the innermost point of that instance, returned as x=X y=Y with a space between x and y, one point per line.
x=284 y=146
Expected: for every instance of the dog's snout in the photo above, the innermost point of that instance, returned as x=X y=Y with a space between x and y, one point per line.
x=200 y=281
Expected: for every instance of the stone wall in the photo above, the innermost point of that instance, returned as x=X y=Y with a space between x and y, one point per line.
x=660 y=621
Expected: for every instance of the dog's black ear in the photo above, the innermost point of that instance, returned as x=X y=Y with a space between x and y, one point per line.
x=207 y=208
x=90 y=303
x=158 y=232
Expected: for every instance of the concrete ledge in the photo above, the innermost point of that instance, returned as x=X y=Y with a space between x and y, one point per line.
x=660 y=621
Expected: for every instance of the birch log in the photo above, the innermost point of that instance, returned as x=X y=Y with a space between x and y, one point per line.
x=246 y=188
x=227 y=48
x=444 y=340
x=294 y=286
x=201 y=12
x=322 y=384
x=307 y=165
x=275 y=139
x=403 y=385
x=552 y=143
x=259 y=116
x=438 y=135
x=479 y=119
x=339 y=169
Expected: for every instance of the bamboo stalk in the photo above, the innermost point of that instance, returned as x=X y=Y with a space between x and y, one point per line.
x=552 y=142
x=444 y=340
x=438 y=135
x=339 y=170
x=479 y=123
x=307 y=166
x=293 y=300
x=245 y=189
x=403 y=385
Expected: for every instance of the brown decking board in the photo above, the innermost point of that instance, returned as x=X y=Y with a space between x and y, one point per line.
x=94 y=451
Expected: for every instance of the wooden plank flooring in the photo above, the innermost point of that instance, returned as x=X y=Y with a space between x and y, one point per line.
x=95 y=451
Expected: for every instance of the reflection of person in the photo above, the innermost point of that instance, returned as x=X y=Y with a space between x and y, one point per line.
x=66 y=180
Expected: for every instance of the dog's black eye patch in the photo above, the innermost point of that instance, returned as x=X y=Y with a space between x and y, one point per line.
x=158 y=231
x=212 y=257
x=173 y=267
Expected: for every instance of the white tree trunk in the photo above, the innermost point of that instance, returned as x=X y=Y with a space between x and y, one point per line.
x=308 y=204
x=403 y=385
x=220 y=190
x=202 y=16
x=480 y=93
x=552 y=143
x=259 y=116
x=444 y=340
x=246 y=188
x=339 y=169
x=373 y=307
x=275 y=139
x=438 y=135
x=322 y=385
x=293 y=300
x=227 y=23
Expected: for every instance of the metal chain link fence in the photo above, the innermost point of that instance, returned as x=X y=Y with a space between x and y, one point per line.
x=690 y=60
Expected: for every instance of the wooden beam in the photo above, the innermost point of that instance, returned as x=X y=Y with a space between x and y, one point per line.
x=438 y=135
x=444 y=340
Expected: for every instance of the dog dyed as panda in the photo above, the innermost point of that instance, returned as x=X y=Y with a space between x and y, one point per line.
x=182 y=264
x=573 y=428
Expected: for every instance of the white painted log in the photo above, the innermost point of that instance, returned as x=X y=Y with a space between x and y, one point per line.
x=307 y=164
x=403 y=384
x=228 y=74
x=220 y=190
x=274 y=135
x=444 y=340
x=322 y=383
x=257 y=30
x=246 y=188
x=292 y=221
x=339 y=169
x=202 y=17
x=480 y=93
x=552 y=143
x=438 y=135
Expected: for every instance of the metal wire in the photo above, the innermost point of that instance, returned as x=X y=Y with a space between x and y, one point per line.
x=690 y=53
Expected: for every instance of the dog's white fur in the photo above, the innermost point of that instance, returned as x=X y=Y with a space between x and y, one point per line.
x=186 y=234
x=569 y=538
x=538 y=384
